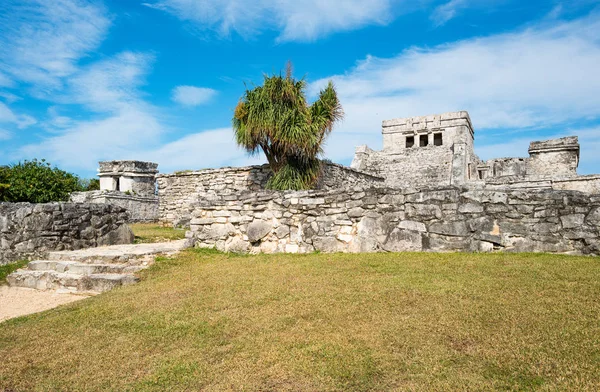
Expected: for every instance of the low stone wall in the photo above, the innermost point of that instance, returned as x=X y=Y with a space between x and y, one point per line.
x=357 y=220
x=588 y=183
x=140 y=208
x=180 y=191
x=28 y=230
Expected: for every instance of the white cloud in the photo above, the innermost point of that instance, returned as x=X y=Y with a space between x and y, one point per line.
x=304 y=20
x=443 y=13
x=192 y=96
x=110 y=84
x=9 y=97
x=20 y=120
x=538 y=77
x=202 y=150
x=123 y=123
x=5 y=135
x=42 y=41
x=80 y=147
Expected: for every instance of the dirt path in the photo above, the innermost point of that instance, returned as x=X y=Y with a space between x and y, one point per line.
x=18 y=301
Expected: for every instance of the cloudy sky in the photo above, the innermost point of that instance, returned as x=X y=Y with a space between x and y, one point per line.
x=83 y=81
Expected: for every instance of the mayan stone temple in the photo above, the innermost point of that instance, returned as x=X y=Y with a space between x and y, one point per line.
x=438 y=150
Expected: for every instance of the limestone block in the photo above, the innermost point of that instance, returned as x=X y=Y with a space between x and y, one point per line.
x=292 y=248
x=282 y=231
x=258 y=229
x=356 y=212
x=220 y=231
x=470 y=208
x=593 y=218
x=458 y=228
x=237 y=245
x=401 y=240
x=413 y=226
x=572 y=221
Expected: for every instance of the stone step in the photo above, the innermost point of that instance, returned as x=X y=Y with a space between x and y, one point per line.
x=53 y=280
x=118 y=253
x=74 y=267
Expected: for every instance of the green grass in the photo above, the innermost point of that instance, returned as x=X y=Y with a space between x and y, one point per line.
x=415 y=321
x=152 y=232
x=7 y=269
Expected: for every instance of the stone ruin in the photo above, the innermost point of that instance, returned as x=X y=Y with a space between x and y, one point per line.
x=426 y=190
x=127 y=184
x=133 y=177
x=438 y=150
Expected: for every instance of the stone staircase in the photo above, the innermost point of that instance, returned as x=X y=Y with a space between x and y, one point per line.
x=92 y=270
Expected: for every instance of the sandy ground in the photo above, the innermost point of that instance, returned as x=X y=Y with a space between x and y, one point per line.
x=18 y=301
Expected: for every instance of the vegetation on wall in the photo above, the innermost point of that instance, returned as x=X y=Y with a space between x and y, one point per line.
x=277 y=119
x=37 y=181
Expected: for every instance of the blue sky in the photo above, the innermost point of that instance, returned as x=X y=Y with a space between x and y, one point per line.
x=83 y=81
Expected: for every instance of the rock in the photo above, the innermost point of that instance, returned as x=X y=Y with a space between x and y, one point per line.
x=412 y=225
x=356 y=212
x=237 y=245
x=572 y=221
x=401 y=240
x=282 y=231
x=458 y=228
x=292 y=248
x=593 y=217
x=258 y=230
x=121 y=236
x=470 y=208
x=326 y=244
x=220 y=231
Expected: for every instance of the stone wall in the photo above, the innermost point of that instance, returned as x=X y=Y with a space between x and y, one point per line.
x=588 y=184
x=140 y=208
x=180 y=191
x=28 y=230
x=376 y=219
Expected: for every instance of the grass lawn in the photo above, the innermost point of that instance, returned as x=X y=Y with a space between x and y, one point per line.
x=152 y=232
x=414 y=321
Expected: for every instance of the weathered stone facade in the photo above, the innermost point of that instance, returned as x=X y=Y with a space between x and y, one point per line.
x=179 y=192
x=383 y=219
x=438 y=150
x=28 y=230
x=133 y=177
x=140 y=208
x=420 y=152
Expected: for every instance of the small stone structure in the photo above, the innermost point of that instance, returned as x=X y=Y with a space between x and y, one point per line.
x=127 y=184
x=179 y=192
x=384 y=219
x=135 y=177
x=28 y=230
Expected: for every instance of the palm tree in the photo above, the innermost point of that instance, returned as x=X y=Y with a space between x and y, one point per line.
x=277 y=119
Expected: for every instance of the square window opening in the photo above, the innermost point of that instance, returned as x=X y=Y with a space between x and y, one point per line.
x=437 y=139
x=423 y=140
x=410 y=141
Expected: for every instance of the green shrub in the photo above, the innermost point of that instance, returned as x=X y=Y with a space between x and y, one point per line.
x=92 y=184
x=36 y=181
